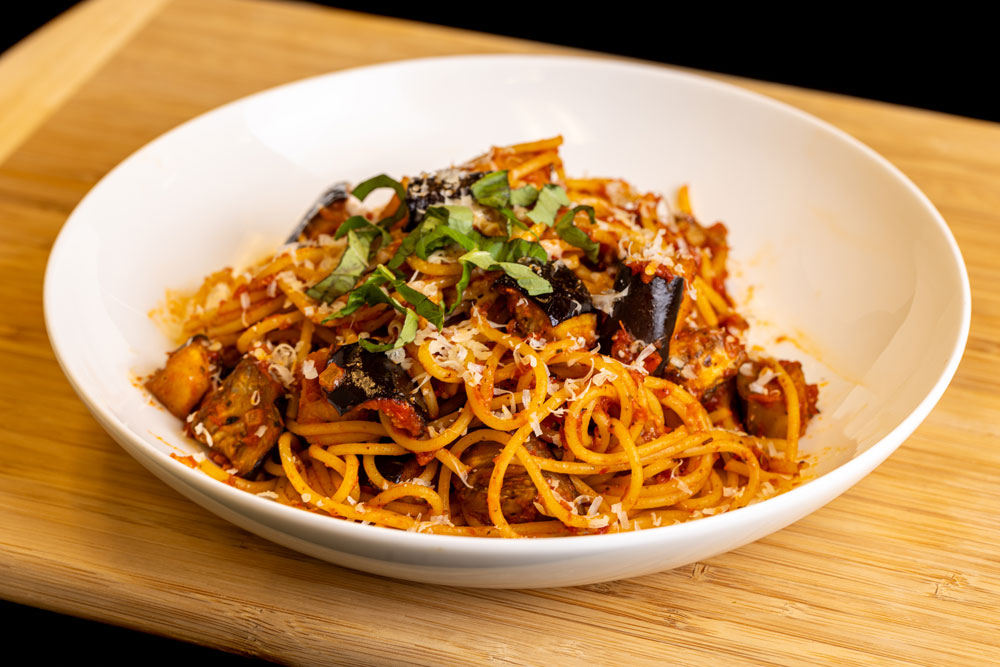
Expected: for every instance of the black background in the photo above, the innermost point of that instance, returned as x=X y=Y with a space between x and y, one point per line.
x=943 y=59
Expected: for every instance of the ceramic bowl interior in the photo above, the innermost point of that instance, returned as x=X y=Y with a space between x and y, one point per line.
x=832 y=247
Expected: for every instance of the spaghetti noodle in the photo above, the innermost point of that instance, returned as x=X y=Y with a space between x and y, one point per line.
x=498 y=351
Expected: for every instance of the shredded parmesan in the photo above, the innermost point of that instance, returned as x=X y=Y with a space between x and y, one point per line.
x=759 y=386
x=199 y=429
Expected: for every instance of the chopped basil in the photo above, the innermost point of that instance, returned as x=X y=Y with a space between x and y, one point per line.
x=406 y=335
x=550 y=200
x=360 y=237
x=525 y=196
x=420 y=302
x=447 y=224
x=511 y=219
x=460 y=286
x=441 y=225
x=382 y=181
x=353 y=264
x=570 y=233
x=409 y=243
x=459 y=218
x=370 y=293
x=492 y=190
x=527 y=279
x=359 y=222
x=441 y=237
x=367 y=293
x=504 y=250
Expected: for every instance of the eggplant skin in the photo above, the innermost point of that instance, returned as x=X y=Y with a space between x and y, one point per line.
x=540 y=313
x=310 y=225
x=435 y=189
x=766 y=414
x=647 y=312
x=356 y=378
x=518 y=493
x=240 y=418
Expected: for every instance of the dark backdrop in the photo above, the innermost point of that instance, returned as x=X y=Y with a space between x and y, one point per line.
x=945 y=59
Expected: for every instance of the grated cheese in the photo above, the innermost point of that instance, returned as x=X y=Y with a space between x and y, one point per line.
x=759 y=386
x=199 y=429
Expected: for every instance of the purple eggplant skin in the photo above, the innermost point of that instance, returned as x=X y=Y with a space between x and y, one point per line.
x=648 y=311
x=441 y=187
x=336 y=192
x=569 y=296
x=371 y=376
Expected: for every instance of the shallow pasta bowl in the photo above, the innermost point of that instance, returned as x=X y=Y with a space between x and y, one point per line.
x=843 y=254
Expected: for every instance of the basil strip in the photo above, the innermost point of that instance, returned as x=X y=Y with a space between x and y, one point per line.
x=420 y=302
x=359 y=222
x=511 y=219
x=492 y=190
x=530 y=282
x=409 y=243
x=501 y=250
x=382 y=181
x=367 y=293
x=352 y=264
x=460 y=286
x=518 y=248
x=448 y=224
x=459 y=218
x=524 y=196
x=550 y=200
x=570 y=233
x=527 y=279
x=406 y=335
x=360 y=235
x=439 y=238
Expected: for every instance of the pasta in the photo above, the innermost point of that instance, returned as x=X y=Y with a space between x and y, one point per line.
x=498 y=350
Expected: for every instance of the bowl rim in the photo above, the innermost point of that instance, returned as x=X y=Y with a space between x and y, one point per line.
x=829 y=485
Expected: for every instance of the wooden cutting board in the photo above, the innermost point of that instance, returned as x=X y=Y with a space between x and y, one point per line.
x=905 y=567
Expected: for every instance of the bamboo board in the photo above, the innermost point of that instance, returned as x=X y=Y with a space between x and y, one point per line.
x=905 y=567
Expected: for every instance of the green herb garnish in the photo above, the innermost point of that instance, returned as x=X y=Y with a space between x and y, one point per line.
x=361 y=234
x=550 y=200
x=573 y=235
x=527 y=279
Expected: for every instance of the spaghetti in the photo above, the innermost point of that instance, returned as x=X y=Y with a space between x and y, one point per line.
x=497 y=351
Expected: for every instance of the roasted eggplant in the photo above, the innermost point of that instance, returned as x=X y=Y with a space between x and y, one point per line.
x=539 y=314
x=518 y=493
x=646 y=312
x=701 y=359
x=185 y=378
x=327 y=212
x=426 y=190
x=764 y=409
x=240 y=418
x=358 y=379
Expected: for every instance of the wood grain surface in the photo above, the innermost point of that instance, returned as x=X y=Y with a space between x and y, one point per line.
x=903 y=568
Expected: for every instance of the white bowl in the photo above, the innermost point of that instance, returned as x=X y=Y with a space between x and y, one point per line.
x=842 y=251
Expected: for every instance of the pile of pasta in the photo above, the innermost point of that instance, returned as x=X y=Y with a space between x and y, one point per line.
x=414 y=373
